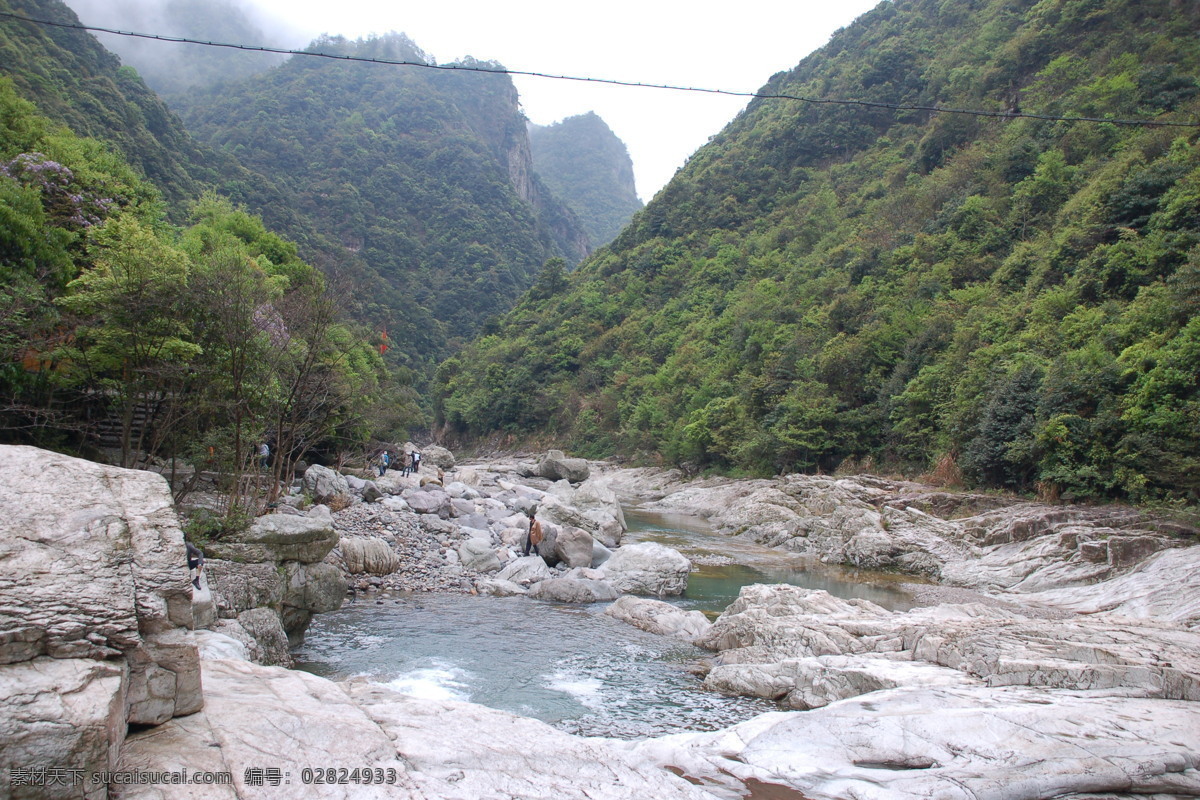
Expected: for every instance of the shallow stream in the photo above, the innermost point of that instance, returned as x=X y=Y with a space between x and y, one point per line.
x=570 y=666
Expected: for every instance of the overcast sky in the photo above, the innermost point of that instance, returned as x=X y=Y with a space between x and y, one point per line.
x=734 y=45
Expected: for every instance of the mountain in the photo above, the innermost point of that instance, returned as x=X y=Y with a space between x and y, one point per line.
x=414 y=185
x=424 y=174
x=173 y=68
x=76 y=82
x=584 y=163
x=1008 y=300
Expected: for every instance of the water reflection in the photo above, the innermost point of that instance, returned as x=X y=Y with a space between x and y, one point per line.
x=723 y=565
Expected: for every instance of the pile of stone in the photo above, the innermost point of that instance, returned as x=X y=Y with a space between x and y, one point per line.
x=468 y=533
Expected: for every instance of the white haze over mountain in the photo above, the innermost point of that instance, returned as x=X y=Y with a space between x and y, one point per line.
x=710 y=45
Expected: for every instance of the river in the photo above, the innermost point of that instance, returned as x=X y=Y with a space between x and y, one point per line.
x=570 y=666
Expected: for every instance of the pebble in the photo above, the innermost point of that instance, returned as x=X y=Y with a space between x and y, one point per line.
x=421 y=552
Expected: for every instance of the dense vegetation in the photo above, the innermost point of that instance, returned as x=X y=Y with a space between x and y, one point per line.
x=423 y=174
x=197 y=342
x=585 y=165
x=1015 y=300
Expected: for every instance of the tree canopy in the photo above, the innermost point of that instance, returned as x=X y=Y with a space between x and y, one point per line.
x=826 y=284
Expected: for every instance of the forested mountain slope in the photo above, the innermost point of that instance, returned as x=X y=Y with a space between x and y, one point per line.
x=584 y=163
x=78 y=83
x=425 y=174
x=1013 y=298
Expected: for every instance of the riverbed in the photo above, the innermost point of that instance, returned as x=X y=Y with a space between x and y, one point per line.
x=571 y=666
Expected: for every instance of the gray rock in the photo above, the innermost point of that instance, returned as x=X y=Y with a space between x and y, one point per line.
x=60 y=711
x=460 y=507
x=364 y=554
x=266 y=629
x=324 y=484
x=600 y=554
x=477 y=554
x=371 y=492
x=238 y=587
x=658 y=617
x=573 y=546
x=573 y=590
x=548 y=548
x=281 y=537
x=213 y=645
x=555 y=466
x=395 y=504
x=437 y=457
x=499 y=588
x=92 y=567
x=204 y=607
x=951 y=742
x=647 y=568
x=431 y=500
x=525 y=570
x=316 y=588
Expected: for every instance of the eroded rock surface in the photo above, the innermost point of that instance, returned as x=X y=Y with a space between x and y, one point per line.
x=95 y=611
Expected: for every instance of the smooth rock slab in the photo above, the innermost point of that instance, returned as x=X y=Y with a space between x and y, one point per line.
x=573 y=590
x=658 y=617
x=958 y=744
x=67 y=713
x=500 y=756
x=266 y=717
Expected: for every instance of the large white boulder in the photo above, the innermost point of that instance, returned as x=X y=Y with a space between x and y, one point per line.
x=95 y=609
x=647 y=568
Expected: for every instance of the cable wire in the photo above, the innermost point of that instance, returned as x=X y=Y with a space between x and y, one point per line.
x=613 y=82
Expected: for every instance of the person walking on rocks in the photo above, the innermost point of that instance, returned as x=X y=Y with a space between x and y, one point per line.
x=416 y=461
x=535 y=536
x=383 y=462
x=195 y=561
x=264 y=455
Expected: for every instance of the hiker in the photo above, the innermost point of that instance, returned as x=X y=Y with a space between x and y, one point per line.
x=195 y=561
x=406 y=464
x=383 y=462
x=535 y=535
x=264 y=455
x=416 y=461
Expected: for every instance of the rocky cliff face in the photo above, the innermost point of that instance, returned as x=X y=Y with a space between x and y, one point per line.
x=95 y=611
x=587 y=167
